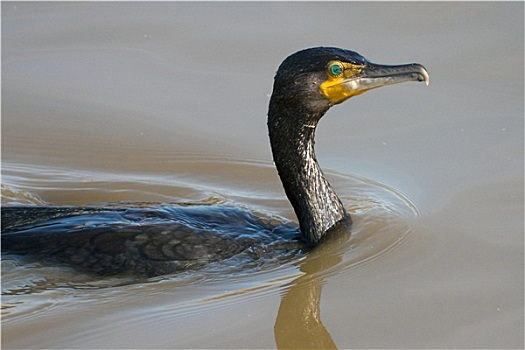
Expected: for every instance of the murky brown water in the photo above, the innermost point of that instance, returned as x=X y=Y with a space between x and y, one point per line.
x=166 y=102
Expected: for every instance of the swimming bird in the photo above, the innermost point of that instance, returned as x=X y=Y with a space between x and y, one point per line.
x=154 y=241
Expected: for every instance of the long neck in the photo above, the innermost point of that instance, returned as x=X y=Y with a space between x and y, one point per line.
x=315 y=203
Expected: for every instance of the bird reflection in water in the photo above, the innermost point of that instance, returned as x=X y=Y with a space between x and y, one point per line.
x=298 y=324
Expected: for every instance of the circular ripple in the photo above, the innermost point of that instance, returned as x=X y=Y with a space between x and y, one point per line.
x=382 y=216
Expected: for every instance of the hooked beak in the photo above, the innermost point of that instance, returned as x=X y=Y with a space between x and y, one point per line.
x=371 y=76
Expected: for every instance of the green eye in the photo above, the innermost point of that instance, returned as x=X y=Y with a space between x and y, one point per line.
x=336 y=69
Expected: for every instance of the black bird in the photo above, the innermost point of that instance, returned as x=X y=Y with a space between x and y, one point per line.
x=162 y=240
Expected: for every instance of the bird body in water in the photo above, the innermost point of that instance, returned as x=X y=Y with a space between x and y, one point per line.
x=157 y=241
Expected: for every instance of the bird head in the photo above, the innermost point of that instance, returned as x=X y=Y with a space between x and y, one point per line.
x=320 y=77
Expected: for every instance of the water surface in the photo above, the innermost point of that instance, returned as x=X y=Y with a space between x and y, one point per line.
x=166 y=103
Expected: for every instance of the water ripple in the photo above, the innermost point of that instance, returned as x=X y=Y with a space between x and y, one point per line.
x=383 y=217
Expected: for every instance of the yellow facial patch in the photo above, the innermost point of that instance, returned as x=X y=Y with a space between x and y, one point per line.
x=337 y=73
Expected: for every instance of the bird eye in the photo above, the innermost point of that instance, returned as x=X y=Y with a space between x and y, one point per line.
x=335 y=69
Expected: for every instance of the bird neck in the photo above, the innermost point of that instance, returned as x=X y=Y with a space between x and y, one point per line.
x=316 y=204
